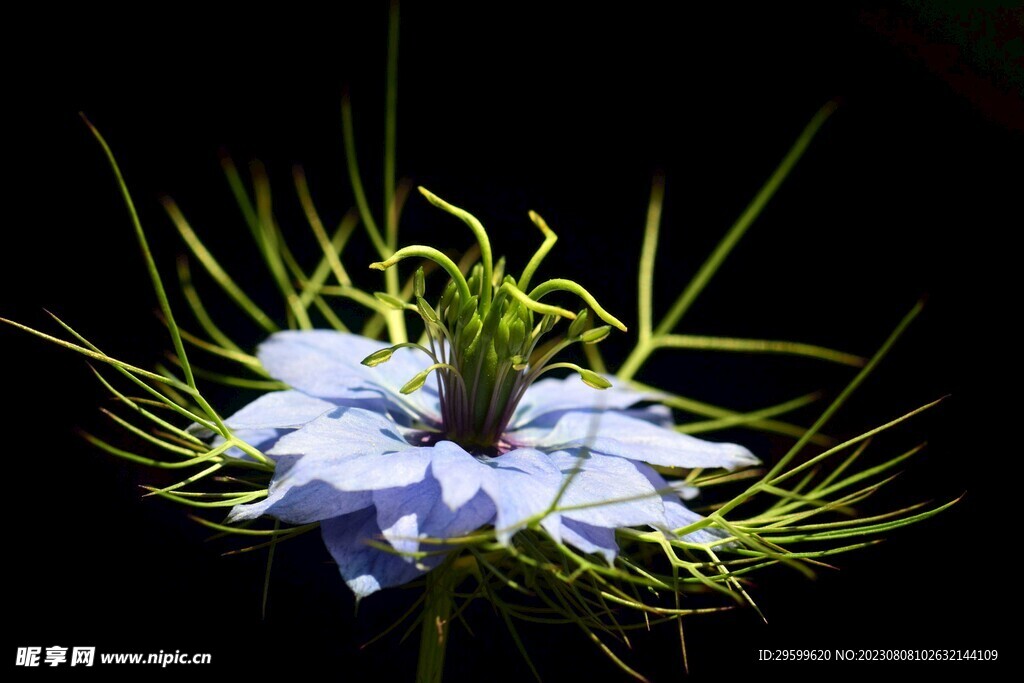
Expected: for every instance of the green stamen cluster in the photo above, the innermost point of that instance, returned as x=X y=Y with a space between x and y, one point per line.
x=484 y=334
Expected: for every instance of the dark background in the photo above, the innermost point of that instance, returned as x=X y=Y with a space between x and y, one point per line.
x=911 y=189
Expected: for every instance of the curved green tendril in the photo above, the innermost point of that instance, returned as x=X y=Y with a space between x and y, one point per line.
x=549 y=241
x=559 y=284
x=536 y=306
x=469 y=219
x=435 y=256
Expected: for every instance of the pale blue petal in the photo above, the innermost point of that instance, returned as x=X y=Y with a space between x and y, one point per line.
x=685 y=491
x=262 y=422
x=326 y=364
x=261 y=439
x=597 y=481
x=678 y=515
x=265 y=420
x=612 y=433
x=279 y=410
x=334 y=461
x=311 y=502
x=343 y=432
x=368 y=472
x=410 y=513
x=657 y=413
x=401 y=517
x=551 y=397
x=365 y=568
x=538 y=430
x=590 y=539
x=460 y=474
x=523 y=485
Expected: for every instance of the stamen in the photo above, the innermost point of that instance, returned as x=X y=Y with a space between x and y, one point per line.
x=595 y=335
x=384 y=355
x=579 y=325
x=419 y=285
x=392 y=302
x=420 y=378
x=589 y=377
x=427 y=311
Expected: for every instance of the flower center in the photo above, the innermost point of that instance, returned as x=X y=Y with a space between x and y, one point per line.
x=486 y=335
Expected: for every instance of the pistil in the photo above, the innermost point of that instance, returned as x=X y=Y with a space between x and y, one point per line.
x=484 y=337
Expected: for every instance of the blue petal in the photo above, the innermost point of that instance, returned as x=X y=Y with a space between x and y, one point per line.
x=314 y=501
x=549 y=398
x=262 y=439
x=613 y=433
x=262 y=422
x=410 y=513
x=676 y=514
x=590 y=539
x=268 y=417
x=344 y=431
x=337 y=458
x=402 y=517
x=366 y=569
x=279 y=410
x=326 y=364
x=459 y=474
x=523 y=484
x=597 y=482
x=539 y=428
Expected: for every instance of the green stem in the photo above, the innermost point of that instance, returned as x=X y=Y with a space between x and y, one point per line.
x=390 y=131
x=437 y=611
x=394 y=320
x=706 y=343
x=645 y=289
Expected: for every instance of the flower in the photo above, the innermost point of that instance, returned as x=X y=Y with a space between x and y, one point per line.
x=371 y=463
x=363 y=444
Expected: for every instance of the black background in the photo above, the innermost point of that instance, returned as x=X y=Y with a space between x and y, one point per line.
x=911 y=189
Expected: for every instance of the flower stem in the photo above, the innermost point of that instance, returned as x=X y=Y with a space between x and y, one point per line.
x=437 y=612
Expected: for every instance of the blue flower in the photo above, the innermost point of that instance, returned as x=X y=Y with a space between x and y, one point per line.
x=369 y=462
